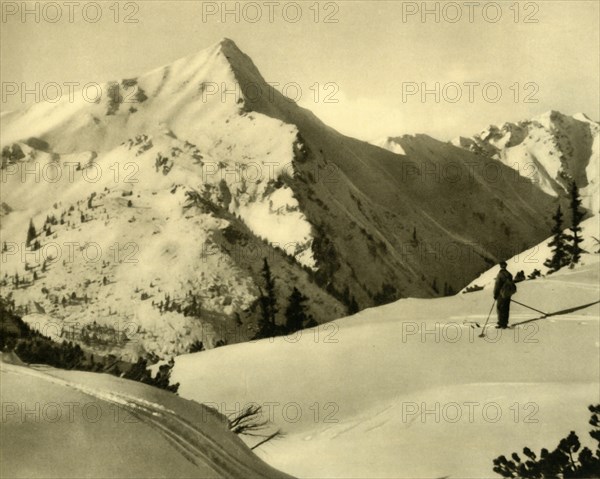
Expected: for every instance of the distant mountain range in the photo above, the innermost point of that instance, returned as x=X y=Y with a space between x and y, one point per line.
x=552 y=149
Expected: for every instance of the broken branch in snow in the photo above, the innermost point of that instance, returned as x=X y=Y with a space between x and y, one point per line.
x=249 y=421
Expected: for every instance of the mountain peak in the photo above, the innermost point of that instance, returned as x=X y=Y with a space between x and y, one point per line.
x=239 y=61
x=227 y=43
x=551 y=114
x=201 y=59
x=227 y=47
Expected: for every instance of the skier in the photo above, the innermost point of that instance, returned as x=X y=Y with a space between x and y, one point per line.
x=503 y=290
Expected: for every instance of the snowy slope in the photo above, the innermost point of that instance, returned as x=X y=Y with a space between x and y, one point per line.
x=372 y=377
x=533 y=259
x=71 y=424
x=173 y=100
x=550 y=149
x=110 y=250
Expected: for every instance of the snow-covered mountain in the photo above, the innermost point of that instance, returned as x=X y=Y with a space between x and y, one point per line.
x=168 y=195
x=155 y=204
x=551 y=149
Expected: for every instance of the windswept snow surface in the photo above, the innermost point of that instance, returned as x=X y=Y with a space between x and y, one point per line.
x=409 y=390
x=71 y=424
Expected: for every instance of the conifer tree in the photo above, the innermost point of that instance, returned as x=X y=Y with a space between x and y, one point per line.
x=31 y=233
x=353 y=308
x=268 y=304
x=560 y=253
x=576 y=217
x=296 y=313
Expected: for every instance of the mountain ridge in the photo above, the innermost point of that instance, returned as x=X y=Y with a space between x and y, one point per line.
x=569 y=151
x=221 y=176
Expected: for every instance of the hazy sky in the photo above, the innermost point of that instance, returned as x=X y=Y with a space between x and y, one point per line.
x=372 y=59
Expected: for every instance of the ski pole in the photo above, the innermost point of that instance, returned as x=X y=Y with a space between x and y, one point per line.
x=486 y=321
x=533 y=309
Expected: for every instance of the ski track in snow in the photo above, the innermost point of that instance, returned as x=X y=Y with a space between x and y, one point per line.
x=189 y=441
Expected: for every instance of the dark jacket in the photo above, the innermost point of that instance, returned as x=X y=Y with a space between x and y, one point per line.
x=503 y=275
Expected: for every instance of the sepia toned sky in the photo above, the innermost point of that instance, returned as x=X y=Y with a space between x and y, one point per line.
x=363 y=74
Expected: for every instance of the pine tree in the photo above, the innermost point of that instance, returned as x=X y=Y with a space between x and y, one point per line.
x=520 y=276
x=448 y=290
x=268 y=304
x=296 y=314
x=560 y=253
x=576 y=217
x=353 y=308
x=31 y=233
x=350 y=301
x=434 y=286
